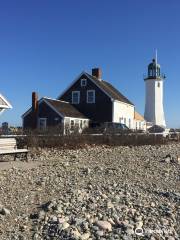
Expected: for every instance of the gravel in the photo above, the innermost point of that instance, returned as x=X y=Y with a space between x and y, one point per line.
x=93 y=193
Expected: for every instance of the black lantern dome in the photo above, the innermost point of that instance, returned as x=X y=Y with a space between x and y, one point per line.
x=154 y=69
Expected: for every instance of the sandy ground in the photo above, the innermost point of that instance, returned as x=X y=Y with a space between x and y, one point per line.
x=5 y=165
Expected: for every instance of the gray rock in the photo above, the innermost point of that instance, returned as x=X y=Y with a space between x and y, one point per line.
x=104 y=225
x=5 y=211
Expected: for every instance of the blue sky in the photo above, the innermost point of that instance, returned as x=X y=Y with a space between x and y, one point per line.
x=44 y=45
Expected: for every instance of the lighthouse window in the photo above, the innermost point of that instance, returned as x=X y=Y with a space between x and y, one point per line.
x=158 y=84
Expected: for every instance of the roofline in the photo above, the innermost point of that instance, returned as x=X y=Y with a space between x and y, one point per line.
x=44 y=99
x=135 y=112
x=26 y=113
x=8 y=103
x=53 y=108
x=77 y=78
x=114 y=100
x=90 y=77
x=55 y=99
x=2 y=111
x=61 y=115
x=71 y=84
x=39 y=102
x=30 y=109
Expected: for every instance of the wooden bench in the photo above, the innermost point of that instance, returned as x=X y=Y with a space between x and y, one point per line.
x=8 y=146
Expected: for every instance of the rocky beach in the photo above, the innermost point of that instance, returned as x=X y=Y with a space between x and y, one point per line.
x=97 y=192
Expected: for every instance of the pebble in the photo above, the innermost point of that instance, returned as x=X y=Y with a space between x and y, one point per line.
x=104 y=225
x=85 y=236
x=65 y=225
x=5 y=211
x=102 y=193
x=100 y=233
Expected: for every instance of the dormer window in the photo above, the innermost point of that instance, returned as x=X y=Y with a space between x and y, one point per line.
x=83 y=82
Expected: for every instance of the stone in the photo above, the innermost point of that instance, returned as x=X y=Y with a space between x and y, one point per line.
x=130 y=231
x=104 y=225
x=41 y=214
x=177 y=160
x=85 y=236
x=65 y=225
x=100 y=233
x=167 y=159
x=5 y=211
x=136 y=195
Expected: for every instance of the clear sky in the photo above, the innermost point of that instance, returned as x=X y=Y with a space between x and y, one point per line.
x=44 y=45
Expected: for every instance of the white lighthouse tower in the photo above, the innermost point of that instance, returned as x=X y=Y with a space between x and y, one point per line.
x=154 y=112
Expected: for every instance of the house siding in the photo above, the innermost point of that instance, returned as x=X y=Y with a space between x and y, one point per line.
x=123 y=113
x=44 y=112
x=28 y=121
x=100 y=111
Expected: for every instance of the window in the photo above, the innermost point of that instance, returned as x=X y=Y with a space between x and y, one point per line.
x=81 y=124
x=56 y=119
x=125 y=121
x=42 y=123
x=129 y=123
x=121 y=119
x=75 y=97
x=72 y=124
x=91 y=96
x=83 y=82
x=158 y=84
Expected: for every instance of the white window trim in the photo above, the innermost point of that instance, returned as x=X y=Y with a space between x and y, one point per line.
x=78 y=97
x=83 y=80
x=94 y=97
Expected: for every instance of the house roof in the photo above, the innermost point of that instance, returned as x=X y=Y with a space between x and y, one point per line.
x=110 y=90
x=138 y=116
x=4 y=104
x=106 y=87
x=65 y=108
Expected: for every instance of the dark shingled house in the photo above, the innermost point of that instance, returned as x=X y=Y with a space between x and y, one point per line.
x=88 y=98
x=49 y=112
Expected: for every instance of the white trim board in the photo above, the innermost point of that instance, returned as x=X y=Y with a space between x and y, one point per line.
x=4 y=99
x=77 y=118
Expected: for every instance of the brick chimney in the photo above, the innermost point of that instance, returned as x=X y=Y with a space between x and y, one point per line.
x=96 y=72
x=34 y=109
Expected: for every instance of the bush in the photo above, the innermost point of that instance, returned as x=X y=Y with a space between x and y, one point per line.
x=51 y=139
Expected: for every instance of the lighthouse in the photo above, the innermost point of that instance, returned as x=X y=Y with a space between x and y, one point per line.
x=154 y=111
